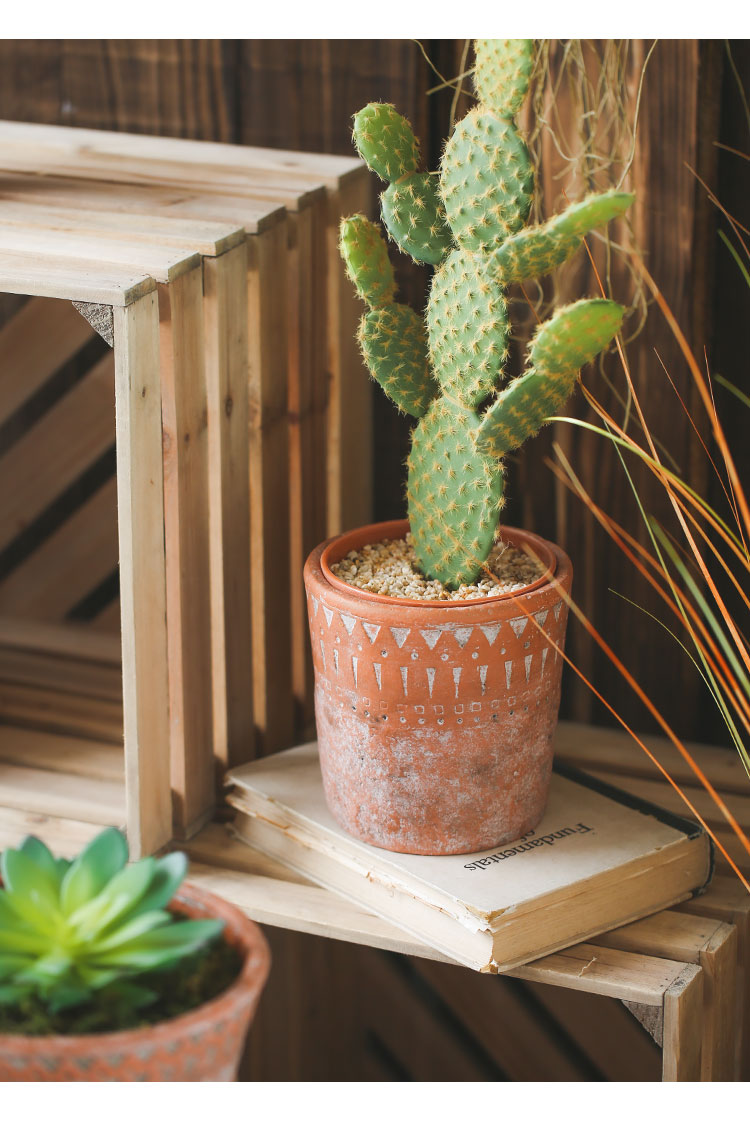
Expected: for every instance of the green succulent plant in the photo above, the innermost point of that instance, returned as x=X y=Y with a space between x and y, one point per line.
x=470 y=222
x=71 y=928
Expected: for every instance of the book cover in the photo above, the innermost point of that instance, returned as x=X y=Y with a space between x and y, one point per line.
x=598 y=859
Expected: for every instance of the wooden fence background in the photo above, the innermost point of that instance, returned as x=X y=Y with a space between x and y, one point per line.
x=333 y=1012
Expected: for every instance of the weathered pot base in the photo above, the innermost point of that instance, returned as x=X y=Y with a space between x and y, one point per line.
x=435 y=719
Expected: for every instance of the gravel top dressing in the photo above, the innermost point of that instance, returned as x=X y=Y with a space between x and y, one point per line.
x=389 y=568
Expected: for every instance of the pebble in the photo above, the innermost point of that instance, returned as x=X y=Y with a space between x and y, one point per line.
x=389 y=568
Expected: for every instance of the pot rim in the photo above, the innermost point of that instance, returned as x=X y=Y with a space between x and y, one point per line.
x=246 y=937
x=396 y=528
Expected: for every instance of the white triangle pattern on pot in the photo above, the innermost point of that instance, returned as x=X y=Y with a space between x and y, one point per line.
x=431 y=636
x=348 y=621
x=328 y=615
x=400 y=635
x=463 y=635
x=518 y=624
x=490 y=631
x=372 y=631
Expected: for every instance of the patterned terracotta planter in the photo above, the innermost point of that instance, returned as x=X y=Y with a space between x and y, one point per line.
x=435 y=719
x=201 y=1045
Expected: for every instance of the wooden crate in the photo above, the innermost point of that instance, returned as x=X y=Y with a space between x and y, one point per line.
x=186 y=421
x=50 y=772
x=328 y=397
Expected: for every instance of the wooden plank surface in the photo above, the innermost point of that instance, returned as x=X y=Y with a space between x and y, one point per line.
x=683 y=1026
x=68 y=565
x=64 y=836
x=204 y=236
x=28 y=357
x=184 y=412
x=73 y=434
x=142 y=575
x=225 y=286
x=61 y=712
x=71 y=277
x=62 y=795
x=173 y=203
x=77 y=757
x=269 y=490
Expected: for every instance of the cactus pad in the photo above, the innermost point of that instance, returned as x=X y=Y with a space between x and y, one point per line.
x=573 y=336
x=486 y=181
x=535 y=251
x=393 y=343
x=386 y=141
x=467 y=328
x=455 y=495
x=365 y=254
x=414 y=215
x=502 y=72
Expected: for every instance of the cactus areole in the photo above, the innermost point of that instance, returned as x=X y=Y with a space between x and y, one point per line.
x=469 y=221
x=435 y=719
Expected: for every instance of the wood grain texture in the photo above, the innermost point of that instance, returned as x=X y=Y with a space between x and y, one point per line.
x=140 y=508
x=184 y=407
x=227 y=345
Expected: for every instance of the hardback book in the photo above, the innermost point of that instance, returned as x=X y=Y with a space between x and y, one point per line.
x=599 y=858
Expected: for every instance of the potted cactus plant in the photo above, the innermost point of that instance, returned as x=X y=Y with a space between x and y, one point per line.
x=116 y=971
x=436 y=716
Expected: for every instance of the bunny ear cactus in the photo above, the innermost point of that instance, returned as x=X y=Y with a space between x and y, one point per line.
x=470 y=223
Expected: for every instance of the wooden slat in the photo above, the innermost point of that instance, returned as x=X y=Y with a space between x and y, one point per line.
x=142 y=575
x=500 y=1018
x=65 y=837
x=253 y=212
x=69 y=564
x=614 y=1042
x=600 y=748
x=28 y=357
x=71 y=277
x=205 y=236
x=79 y=757
x=269 y=490
x=74 y=641
x=62 y=795
x=61 y=712
x=108 y=620
x=710 y=944
x=308 y=397
x=73 y=434
x=162 y=262
x=185 y=443
x=80 y=677
x=225 y=282
x=726 y=899
x=89 y=148
x=683 y=1026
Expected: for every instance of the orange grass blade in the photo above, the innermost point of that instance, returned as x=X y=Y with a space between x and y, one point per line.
x=662 y=723
x=624 y=541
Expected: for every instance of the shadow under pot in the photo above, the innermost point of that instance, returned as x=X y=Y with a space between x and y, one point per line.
x=436 y=719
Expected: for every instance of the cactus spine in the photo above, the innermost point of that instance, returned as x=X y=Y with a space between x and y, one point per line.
x=468 y=222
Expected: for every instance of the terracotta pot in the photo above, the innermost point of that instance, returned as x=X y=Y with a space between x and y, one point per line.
x=435 y=719
x=201 y=1045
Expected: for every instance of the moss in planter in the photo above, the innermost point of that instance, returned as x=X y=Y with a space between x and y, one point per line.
x=133 y=1004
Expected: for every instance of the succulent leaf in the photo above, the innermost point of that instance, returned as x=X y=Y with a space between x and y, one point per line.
x=365 y=254
x=105 y=923
x=386 y=141
x=393 y=343
x=501 y=73
x=414 y=215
